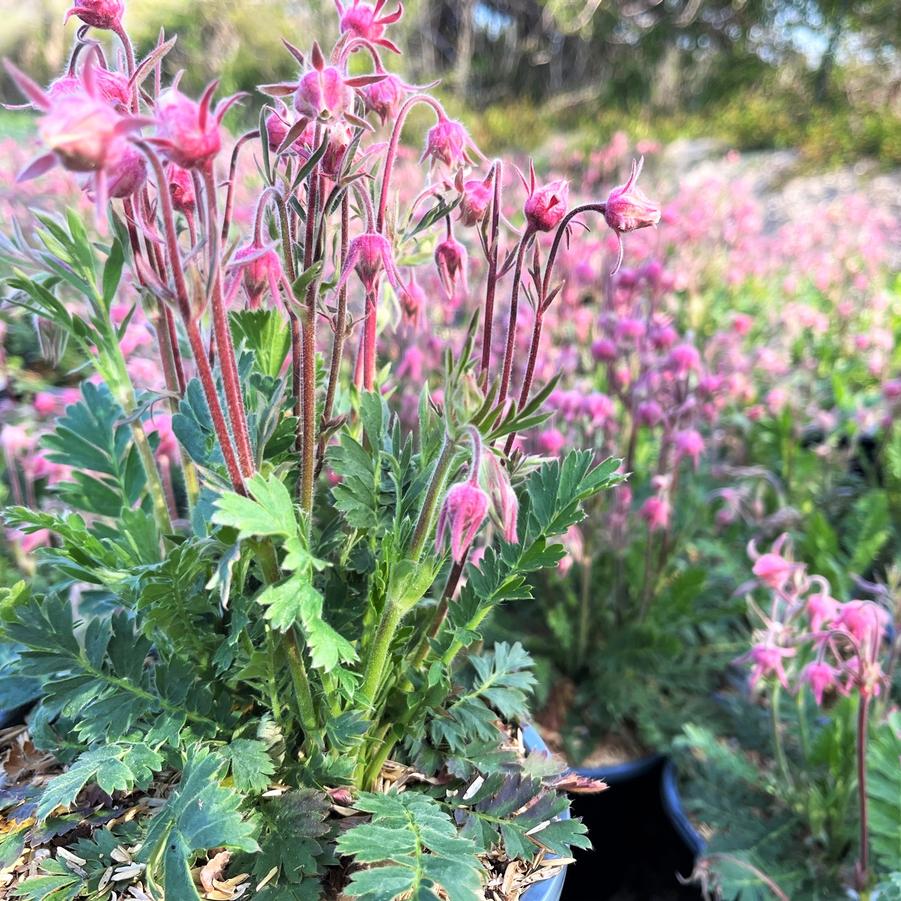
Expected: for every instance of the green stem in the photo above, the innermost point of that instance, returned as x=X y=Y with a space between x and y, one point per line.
x=777 y=739
x=301 y=682
x=430 y=503
x=378 y=653
x=584 y=611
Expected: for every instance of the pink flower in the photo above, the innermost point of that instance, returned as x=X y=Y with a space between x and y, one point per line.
x=820 y=676
x=451 y=260
x=649 y=413
x=83 y=132
x=28 y=542
x=503 y=498
x=258 y=268
x=161 y=424
x=690 y=443
x=45 y=403
x=552 y=441
x=821 y=609
x=412 y=302
x=742 y=323
x=371 y=254
x=656 y=512
x=546 y=206
x=448 y=141
x=362 y=20
x=767 y=660
x=477 y=195
x=773 y=569
x=629 y=329
x=865 y=620
x=188 y=131
x=684 y=359
x=604 y=350
x=462 y=514
x=98 y=13
x=323 y=94
x=14 y=439
x=181 y=189
x=127 y=176
x=384 y=98
x=629 y=209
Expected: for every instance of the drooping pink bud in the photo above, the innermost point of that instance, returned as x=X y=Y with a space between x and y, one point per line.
x=188 y=131
x=649 y=413
x=477 y=194
x=370 y=255
x=552 y=441
x=503 y=498
x=451 y=259
x=258 y=269
x=628 y=209
x=127 y=175
x=820 y=676
x=773 y=569
x=690 y=443
x=362 y=20
x=684 y=359
x=181 y=188
x=339 y=139
x=323 y=93
x=865 y=620
x=98 y=13
x=448 y=142
x=462 y=515
x=412 y=302
x=656 y=512
x=822 y=610
x=385 y=97
x=604 y=350
x=84 y=133
x=546 y=206
x=768 y=661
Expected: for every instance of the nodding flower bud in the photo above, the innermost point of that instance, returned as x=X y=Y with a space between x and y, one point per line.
x=820 y=676
x=773 y=570
x=85 y=133
x=767 y=659
x=98 y=13
x=127 y=175
x=369 y=255
x=412 y=302
x=384 y=98
x=257 y=268
x=110 y=86
x=546 y=206
x=476 y=199
x=504 y=502
x=339 y=139
x=462 y=514
x=656 y=512
x=451 y=260
x=690 y=443
x=362 y=20
x=181 y=189
x=187 y=132
x=277 y=128
x=465 y=508
x=628 y=209
x=323 y=93
x=448 y=142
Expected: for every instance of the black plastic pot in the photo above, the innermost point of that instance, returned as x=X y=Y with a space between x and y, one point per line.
x=551 y=889
x=643 y=842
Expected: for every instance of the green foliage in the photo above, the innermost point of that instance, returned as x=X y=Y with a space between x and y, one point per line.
x=884 y=790
x=199 y=815
x=115 y=767
x=412 y=845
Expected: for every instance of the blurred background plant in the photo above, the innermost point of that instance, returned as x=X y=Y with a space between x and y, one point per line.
x=821 y=75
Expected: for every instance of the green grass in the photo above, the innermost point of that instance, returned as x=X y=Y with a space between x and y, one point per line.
x=15 y=124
